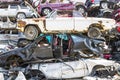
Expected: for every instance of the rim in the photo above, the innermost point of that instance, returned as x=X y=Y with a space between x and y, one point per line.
x=21 y=16
x=94 y=33
x=46 y=11
x=81 y=9
x=31 y=32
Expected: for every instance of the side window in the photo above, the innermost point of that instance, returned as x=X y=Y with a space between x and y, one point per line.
x=14 y=7
x=13 y=19
x=75 y=38
x=4 y=6
x=4 y=19
x=45 y=41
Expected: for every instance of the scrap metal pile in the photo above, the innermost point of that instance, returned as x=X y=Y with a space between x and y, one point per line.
x=60 y=40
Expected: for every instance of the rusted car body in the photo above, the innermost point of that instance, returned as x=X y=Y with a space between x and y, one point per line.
x=54 y=23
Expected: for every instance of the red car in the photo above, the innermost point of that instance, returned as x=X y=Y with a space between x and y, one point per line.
x=48 y=6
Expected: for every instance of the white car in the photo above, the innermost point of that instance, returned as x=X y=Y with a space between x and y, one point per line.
x=94 y=27
x=17 y=11
x=7 y=22
x=69 y=69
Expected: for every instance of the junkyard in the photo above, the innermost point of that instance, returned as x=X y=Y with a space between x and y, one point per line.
x=59 y=39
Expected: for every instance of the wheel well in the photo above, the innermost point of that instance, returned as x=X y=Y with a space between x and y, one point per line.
x=77 y=6
x=34 y=72
x=36 y=26
x=96 y=25
x=21 y=12
x=47 y=7
x=95 y=68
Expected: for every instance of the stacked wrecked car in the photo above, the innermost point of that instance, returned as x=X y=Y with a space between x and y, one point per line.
x=61 y=44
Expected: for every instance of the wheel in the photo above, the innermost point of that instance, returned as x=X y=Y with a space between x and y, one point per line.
x=21 y=16
x=45 y=11
x=94 y=32
x=81 y=9
x=31 y=32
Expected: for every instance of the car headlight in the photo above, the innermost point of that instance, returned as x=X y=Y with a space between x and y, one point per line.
x=104 y=5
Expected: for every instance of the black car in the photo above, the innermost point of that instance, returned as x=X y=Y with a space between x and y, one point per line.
x=52 y=46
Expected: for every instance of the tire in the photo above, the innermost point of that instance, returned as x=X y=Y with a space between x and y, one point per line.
x=81 y=9
x=45 y=11
x=94 y=32
x=21 y=16
x=31 y=32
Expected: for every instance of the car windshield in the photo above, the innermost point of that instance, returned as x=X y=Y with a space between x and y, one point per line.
x=57 y=13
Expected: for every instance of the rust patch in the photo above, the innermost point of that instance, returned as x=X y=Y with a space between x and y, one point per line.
x=38 y=19
x=21 y=23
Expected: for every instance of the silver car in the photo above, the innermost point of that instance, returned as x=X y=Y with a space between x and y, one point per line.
x=18 y=11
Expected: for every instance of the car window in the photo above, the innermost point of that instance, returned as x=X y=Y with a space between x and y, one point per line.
x=3 y=6
x=62 y=36
x=13 y=7
x=13 y=19
x=48 y=38
x=64 y=13
x=24 y=7
x=4 y=19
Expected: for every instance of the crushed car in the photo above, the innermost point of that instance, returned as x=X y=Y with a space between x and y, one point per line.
x=53 y=22
x=80 y=68
x=65 y=55
x=52 y=46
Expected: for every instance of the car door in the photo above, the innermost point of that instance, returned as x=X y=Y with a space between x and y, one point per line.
x=54 y=4
x=44 y=49
x=74 y=69
x=12 y=11
x=61 y=45
x=4 y=10
x=66 y=5
x=60 y=24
